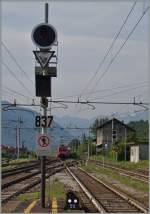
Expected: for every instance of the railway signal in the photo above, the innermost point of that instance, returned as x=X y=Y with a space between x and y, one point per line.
x=44 y=35
x=43 y=57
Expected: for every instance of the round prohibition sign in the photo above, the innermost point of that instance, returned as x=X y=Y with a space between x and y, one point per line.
x=44 y=141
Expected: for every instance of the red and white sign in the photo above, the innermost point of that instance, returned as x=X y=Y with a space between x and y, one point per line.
x=43 y=145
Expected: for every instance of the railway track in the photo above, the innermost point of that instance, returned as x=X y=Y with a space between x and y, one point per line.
x=7 y=163
x=142 y=176
x=104 y=197
x=11 y=191
x=24 y=168
x=11 y=180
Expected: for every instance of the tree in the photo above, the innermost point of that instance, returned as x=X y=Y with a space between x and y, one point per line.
x=142 y=130
x=74 y=144
x=97 y=123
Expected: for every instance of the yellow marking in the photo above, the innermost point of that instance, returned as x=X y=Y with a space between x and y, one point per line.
x=29 y=208
x=54 y=205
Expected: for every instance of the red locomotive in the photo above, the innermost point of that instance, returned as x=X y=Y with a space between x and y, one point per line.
x=63 y=152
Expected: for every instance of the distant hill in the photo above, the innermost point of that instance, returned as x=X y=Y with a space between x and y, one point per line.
x=136 y=117
x=28 y=132
x=74 y=122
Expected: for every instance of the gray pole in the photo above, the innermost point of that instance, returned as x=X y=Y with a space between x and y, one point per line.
x=112 y=131
x=125 y=144
x=43 y=158
x=89 y=146
x=18 y=138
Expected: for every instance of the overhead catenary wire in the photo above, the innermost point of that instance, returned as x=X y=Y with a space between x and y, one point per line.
x=14 y=59
x=119 y=92
x=109 y=49
x=117 y=53
x=16 y=92
x=81 y=102
x=14 y=75
x=11 y=94
x=105 y=89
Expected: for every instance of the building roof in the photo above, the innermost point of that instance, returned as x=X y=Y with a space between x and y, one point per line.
x=114 y=119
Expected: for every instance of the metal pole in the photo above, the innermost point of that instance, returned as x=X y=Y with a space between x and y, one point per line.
x=18 y=138
x=43 y=158
x=16 y=141
x=112 y=131
x=125 y=145
x=89 y=146
x=43 y=170
x=46 y=12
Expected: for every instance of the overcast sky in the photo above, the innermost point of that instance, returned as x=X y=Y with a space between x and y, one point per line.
x=85 y=32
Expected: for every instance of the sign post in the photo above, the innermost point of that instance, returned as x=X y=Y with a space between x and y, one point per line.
x=43 y=145
x=44 y=36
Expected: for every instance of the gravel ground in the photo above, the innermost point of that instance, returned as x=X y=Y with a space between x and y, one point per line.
x=66 y=180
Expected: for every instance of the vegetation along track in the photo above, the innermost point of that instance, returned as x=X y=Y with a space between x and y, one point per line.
x=105 y=198
x=25 y=185
x=141 y=175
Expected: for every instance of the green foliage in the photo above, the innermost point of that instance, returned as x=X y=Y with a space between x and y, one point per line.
x=143 y=164
x=74 y=144
x=97 y=123
x=142 y=186
x=142 y=130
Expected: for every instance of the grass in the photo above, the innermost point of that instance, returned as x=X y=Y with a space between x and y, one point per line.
x=144 y=187
x=21 y=160
x=57 y=190
x=29 y=196
x=144 y=164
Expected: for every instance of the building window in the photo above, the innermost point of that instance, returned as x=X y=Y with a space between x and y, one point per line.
x=114 y=134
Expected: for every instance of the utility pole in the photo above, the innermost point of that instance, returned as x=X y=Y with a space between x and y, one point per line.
x=125 y=148
x=18 y=138
x=88 y=146
x=19 y=121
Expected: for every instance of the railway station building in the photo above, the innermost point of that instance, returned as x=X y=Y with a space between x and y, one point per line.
x=110 y=132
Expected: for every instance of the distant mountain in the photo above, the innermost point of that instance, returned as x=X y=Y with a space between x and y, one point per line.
x=74 y=122
x=136 y=117
x=24 y=118
x=60 y=132
x=67 y=121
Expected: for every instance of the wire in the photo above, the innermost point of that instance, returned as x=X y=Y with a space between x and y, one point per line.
x=108 y=51
x=133 y=29
x=21 y=83
x=103 y=90
x=10 y=54
x=15 y=92
x=119 y=92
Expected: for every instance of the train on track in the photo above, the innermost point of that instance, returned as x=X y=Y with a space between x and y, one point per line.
x=63 y=152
